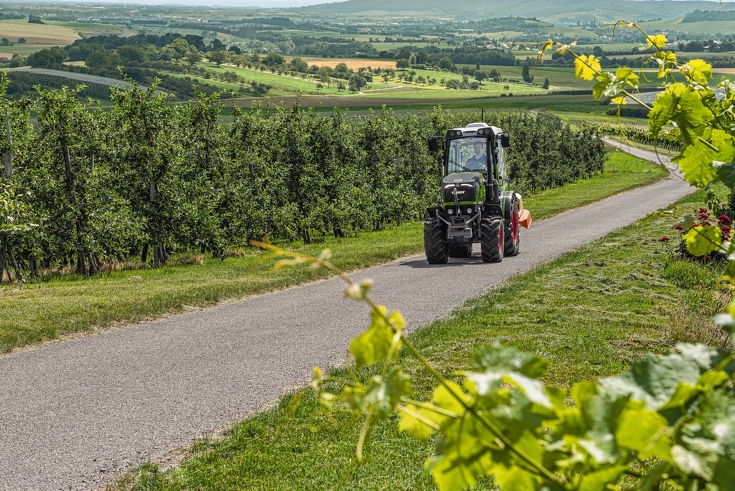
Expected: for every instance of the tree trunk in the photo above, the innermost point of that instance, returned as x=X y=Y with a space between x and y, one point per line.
x=144 y=254
x=3 y=258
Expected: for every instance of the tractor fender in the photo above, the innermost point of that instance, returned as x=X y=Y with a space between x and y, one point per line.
x=506 y=200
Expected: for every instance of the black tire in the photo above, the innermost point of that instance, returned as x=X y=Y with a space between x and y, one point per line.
x=513 y=231
x=492 y=239
x=434 y=245
x=459 y=250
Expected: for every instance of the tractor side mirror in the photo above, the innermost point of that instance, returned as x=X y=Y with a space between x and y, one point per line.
x=504 y=140
x=435 y=143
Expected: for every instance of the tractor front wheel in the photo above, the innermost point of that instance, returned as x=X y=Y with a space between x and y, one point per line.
x=434 y=244
x=492 y=239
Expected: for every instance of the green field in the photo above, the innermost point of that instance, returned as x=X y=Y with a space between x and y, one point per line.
x=26 y=49
x=709 y=28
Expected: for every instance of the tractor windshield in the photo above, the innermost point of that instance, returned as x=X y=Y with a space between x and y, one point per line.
x=467 y=154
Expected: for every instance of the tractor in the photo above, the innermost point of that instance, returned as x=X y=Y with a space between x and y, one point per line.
x=476 y=204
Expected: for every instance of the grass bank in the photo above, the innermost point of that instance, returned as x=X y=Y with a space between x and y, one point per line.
x=64 y=305
x=590 y=312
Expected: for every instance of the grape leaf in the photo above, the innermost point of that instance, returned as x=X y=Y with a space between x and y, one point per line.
x=586 y=67
x=658 y=40
x=680 y=104
x=699 y=70
x=379 y=340
x=703 y=239
x=642 y=430
x=496 y=358
x=599 y=480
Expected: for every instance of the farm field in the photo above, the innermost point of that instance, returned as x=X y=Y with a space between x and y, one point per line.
x=92 y=29
x=591 y=313
x=709 y=28
x=37 y=33
x=62 y=306
x=352 y=63
x=23 y=49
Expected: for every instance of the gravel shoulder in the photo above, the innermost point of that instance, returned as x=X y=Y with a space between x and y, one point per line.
x=75 y=414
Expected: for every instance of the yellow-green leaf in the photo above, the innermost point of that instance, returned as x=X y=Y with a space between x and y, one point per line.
x=681 y=105
x=642 y=430
x=658 y=40
x=698 y=70
x=586 y=67
x=703 y=239
x=415 y=422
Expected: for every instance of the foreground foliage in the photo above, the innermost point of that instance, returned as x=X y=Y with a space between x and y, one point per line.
x=669 y=421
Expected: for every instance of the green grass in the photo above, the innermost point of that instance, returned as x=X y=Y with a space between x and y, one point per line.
x=590 y=312
x=623 y=172
x=64 y=305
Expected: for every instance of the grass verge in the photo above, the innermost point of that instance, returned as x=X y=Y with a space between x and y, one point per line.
x=66 y=305
x=590 y=312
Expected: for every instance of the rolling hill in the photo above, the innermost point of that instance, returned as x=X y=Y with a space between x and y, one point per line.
x=557 y=11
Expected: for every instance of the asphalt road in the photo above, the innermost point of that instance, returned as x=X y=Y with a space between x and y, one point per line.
x=75 y=414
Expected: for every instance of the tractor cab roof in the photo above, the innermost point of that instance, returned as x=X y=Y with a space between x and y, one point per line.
x=474 y=129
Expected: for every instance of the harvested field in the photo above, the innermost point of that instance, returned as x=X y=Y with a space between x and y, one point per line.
x=37 y=33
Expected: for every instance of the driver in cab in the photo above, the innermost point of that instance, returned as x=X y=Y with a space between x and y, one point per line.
x=478 y=162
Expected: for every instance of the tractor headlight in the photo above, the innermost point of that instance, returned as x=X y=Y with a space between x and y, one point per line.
x=450 y=211
x=469 y=210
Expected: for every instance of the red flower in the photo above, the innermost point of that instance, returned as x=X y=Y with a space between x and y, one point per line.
x=724 y=219
x=725 y=228
x=664 y=239
x=679 y=227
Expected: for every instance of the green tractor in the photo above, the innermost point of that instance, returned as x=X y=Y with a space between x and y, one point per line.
x=477 y=205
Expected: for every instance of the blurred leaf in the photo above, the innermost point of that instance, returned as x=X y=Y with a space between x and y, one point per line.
x=702 y=239
x=599 y=480
x=658 y=40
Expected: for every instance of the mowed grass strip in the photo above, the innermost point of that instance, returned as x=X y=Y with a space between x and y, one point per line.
x=68 y=304
x=590 y=312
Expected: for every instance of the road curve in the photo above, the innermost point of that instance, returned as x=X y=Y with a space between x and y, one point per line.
x=75 y=414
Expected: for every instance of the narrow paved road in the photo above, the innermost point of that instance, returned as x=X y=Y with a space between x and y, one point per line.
x=75 y=414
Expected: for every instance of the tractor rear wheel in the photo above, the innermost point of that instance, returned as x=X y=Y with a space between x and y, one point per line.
x=434 y=245
x=513 y=231
x=492 y=239
x=459 y=250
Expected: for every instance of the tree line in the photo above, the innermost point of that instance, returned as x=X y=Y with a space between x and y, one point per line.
x=146 y=178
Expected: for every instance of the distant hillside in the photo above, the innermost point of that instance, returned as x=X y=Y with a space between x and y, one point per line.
x=553 y=11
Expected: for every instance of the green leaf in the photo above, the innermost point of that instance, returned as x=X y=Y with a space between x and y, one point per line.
x=698 y=70
x=448 y=396
x=381 y=395
x=666 y=61
x=377 y=342
x=702 y=162
x=656 y=379
x=609 y=85
x=703 y=239
x=514 y=478
x=417 y=422
x=598 y=480
x=681 y=105
x=643 y=430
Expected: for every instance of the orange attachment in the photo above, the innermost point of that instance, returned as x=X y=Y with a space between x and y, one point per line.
x=525 y=219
